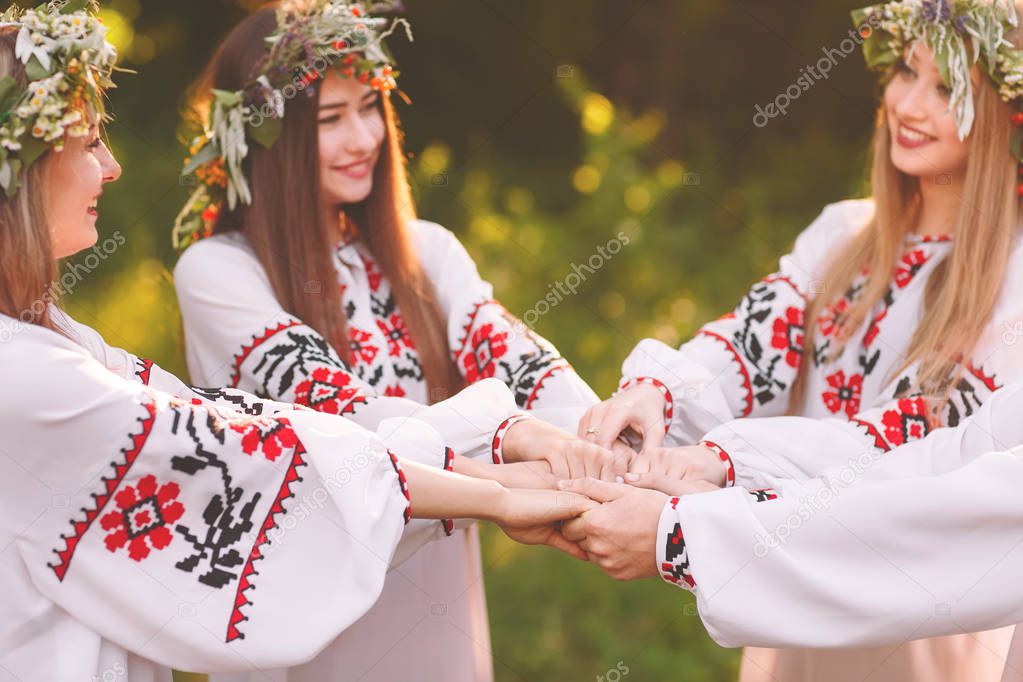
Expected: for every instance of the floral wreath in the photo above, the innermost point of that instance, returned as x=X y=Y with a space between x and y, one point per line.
x=311 y=37
x=961 y=33
x=69 y=65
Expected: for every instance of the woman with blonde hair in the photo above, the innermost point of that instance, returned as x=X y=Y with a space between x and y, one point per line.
x=887 y=321
x=147 y=524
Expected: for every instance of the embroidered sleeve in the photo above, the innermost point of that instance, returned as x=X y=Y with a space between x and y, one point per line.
x=744 y=363
x=765 y=450
x=135 y=507
x=487 y=341
x=672 y=554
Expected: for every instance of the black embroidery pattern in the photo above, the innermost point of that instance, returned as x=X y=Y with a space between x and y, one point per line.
x=227 y=516
x=294 y=356
x=239 y=401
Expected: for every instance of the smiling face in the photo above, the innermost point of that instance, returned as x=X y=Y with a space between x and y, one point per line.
x=351 y=134
x=924 y=141
x=75 y=179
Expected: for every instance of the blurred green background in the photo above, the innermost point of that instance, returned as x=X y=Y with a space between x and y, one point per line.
x=539 y=130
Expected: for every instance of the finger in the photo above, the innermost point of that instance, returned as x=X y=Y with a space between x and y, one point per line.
x=667 y=484
x=653 y=434
x=612 y=426
x=558 y=541
x=559 y=467
x=574 y=530
x=591 y=459
x=591 y=420
x=621 y=456
x=640 y=464
x=601 y=491
x=571 y=506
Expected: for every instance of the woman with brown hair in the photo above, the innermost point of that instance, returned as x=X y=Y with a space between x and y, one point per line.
x=308 y=278
x=147 y=524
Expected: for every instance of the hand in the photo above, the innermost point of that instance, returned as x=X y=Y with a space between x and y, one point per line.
x=640 y=408
x=568 y=456
x=671 y=469
x=621 y=534
x=531 y=516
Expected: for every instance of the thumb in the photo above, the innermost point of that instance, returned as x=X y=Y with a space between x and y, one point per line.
x=560 y=542
x=601 y=491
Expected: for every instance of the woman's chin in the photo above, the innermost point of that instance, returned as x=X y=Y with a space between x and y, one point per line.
x=86 y=239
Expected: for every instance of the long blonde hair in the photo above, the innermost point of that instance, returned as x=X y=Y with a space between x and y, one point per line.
x=961 y=294
x=28 y=268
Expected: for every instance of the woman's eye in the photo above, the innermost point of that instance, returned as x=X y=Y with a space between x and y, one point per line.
x=330 y=120
x=944 y=91
x=95 y=144
x=370 y=107
x=902 y=68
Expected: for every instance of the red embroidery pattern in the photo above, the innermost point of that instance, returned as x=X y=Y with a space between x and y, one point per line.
x=497 y=445
x=748 y=398
x=395 y=391
x=558 y=365
x=328 y=391
x=142 y=518
x=143 y=368
x=397 y=335
x=285 y=492
x=830 y=319
x=359 y=343
x=788 y=335
x=763 y=494
x=374 y=276
x=403 y=484
x=269 y=436
x=486 y=348
x=844 y=394
x=675 y=567
x=909 y=265
x=110 y=484
x=907 y=422
x=872 y=431
x=724 y=457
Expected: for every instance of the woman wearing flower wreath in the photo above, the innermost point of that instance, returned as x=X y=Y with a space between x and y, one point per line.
x=147 y=524
x=308 y=279
x=886 y=321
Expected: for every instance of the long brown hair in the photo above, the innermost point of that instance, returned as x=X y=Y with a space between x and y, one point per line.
x=284 y=223
x=962 y=292
x=28 y=268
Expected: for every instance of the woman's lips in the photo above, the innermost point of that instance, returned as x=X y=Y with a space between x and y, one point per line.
x=911 y=138
x=357 y=170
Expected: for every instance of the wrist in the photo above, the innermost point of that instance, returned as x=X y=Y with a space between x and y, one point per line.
x=721 y=470
x=510 y=439
x=498 y=503
x=657 y=392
